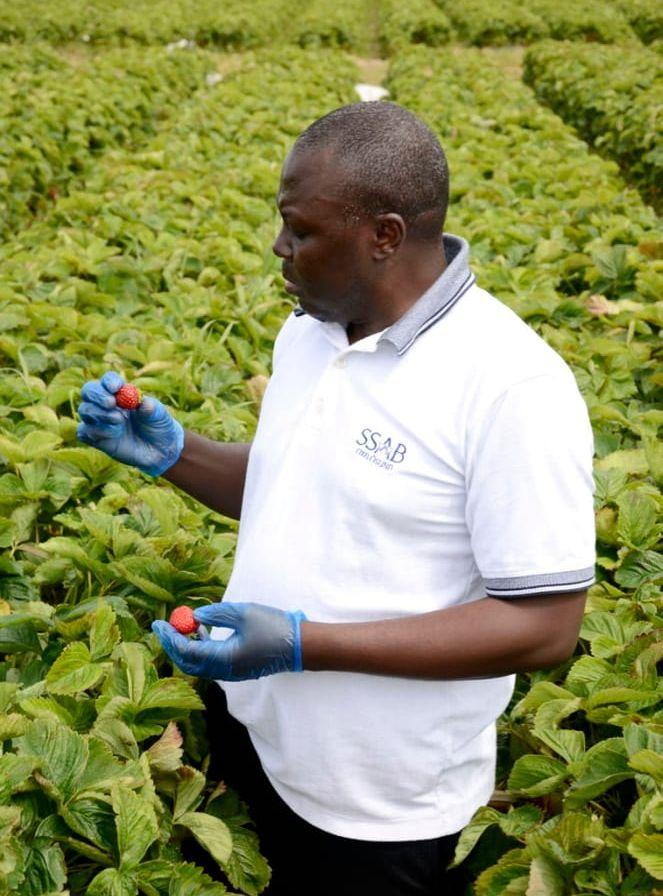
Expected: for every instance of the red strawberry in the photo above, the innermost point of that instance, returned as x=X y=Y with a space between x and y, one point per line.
x=182 y=619
x=128 y=397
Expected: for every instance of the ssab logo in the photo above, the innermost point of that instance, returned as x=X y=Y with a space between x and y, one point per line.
x=380 y=449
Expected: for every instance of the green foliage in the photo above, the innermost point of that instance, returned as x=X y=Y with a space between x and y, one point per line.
x=644 y=16
x=483 y=23
x=417 y=22
x=59 y=116
x=151 y=255
x=613 y=96
x=555 y=233
x=232 y=24
x=592 y=20
x=345 y=24
x=496 y=22
x=155 y=264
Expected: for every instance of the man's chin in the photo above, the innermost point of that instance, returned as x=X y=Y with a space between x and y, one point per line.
x=310 y=309
x=316 y=314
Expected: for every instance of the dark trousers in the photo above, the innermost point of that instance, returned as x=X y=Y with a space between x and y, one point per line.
x=306 y=861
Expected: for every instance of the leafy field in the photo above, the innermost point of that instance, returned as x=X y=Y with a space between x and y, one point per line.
x=60 y=116
x=555 y=235
x=231 y=24
x=485 y=22
x=156 y=265
x=613 y=96
x=644 y=16
x=137 y=197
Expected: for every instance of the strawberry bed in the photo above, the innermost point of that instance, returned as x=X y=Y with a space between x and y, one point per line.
x=59 y=115
x=156 y=265
x=558 y=236
x=613 y=96
x=153 y=258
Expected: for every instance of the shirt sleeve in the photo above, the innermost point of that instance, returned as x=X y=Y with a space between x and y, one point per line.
x=530 y=490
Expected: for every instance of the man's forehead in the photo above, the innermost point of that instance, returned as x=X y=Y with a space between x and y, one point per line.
x=310 y=176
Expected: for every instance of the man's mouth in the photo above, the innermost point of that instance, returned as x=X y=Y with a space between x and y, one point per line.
x=290 y=284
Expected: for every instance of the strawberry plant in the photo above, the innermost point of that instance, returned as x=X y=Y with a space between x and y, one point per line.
x=480 y=22
x=418 y=22
x=233 y=24
x=593 y=20
x=60 y=116
x=345 y=24
x=644 y=16
x=144 y=186
x=613 y=96
x=557 y=235
x=157 y=265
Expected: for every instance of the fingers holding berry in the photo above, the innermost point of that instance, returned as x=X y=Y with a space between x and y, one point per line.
x=183 y=620
x=128 y=397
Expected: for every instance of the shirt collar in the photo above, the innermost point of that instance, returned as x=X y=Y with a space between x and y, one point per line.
x=439 y=298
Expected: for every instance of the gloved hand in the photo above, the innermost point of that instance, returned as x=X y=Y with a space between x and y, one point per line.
x=265 y=640
x=147 y=438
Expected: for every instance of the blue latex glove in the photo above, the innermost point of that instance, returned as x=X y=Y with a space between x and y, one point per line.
x=264 y=641
x=147 y=438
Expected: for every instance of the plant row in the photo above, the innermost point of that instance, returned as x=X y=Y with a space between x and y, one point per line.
x=157 y=266
x=481 y=22
x=613 y=96
x=59 y=116
x=556 y=234
x=344 y=24
x=644 y=16
x=484 y=22
x=415 y=22
x=232 y=24
x=239 y=24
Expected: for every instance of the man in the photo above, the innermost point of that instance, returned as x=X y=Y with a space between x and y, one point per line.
x=416 y=519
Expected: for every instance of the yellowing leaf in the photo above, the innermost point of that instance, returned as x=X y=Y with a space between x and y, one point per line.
x=73 y=671
x=544 y=878
x=648 y=850
x=535 y=775
x=212 y=833
x=136 y=824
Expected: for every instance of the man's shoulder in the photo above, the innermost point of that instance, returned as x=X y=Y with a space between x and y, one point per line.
x=501 y=343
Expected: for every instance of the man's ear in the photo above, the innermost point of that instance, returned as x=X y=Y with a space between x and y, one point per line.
x=390 y=232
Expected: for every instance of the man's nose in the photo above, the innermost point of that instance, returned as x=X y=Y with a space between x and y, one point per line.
x=281 y=246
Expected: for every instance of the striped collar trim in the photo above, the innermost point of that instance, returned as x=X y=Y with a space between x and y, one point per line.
x=450 y=286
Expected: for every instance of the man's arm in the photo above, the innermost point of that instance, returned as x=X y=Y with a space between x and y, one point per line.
x=212 y=472
x=482 y=639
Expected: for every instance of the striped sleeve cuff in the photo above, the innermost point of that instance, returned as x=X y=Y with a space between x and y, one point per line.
x=546 y=583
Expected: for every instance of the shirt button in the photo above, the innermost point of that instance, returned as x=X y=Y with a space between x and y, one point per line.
x=340 y=362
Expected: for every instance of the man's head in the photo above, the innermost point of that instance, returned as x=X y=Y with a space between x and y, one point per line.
x=388 y=161
x=363 y=187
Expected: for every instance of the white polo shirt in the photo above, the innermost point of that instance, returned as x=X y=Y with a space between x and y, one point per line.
x=446 y=458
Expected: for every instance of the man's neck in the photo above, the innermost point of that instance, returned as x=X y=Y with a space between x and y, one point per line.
x=395 y=295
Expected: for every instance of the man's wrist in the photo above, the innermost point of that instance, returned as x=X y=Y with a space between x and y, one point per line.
x=171 y=457
x=317 y=646
x=182 y=458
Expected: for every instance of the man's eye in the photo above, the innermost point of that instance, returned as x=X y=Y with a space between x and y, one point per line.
x=299 y=234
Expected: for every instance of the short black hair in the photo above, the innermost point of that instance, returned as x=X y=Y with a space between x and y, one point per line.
x=393 y=162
